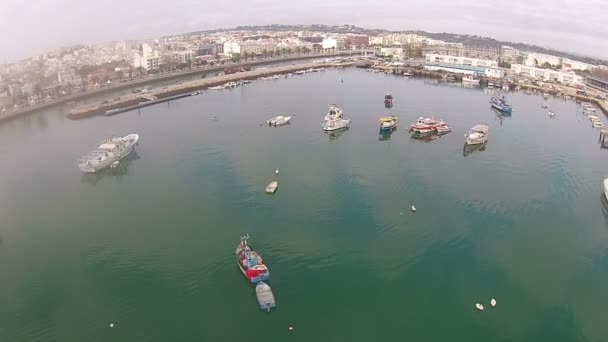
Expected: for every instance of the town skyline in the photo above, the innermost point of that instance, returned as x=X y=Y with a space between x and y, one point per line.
x=45 y=26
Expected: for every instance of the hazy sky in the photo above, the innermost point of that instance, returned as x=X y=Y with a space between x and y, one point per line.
x=31 y=27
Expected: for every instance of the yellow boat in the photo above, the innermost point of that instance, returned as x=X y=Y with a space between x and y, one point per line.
x=388 y=123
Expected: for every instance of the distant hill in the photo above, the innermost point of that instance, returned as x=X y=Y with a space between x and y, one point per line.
x=465 y=39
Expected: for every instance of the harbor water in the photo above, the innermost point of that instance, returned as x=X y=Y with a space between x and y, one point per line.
x=145 y=251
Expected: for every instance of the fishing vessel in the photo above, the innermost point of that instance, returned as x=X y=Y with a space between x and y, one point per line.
x=427 y=125
x=470 y=80
x=250 y=262
x=388 y=100
x=388 y=123
x=111 y=150
x=501 y=105
x=265 y=297
x=477 y=135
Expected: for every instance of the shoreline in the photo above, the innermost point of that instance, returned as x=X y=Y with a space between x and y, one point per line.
x=139 y=82
x=176 y=91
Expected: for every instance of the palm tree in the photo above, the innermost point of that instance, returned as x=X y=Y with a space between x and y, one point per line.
x=283 y=50
x=245 y=55
x=264 y=53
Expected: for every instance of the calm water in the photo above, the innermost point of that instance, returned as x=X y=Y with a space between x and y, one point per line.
x=150 y=246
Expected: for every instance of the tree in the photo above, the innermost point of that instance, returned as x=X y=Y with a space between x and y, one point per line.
x=272 y=52
x=283 y=51
x=546 y=65
x=245 y=55
x=264 y=53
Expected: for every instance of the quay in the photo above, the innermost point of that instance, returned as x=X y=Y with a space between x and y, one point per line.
x=172 y=92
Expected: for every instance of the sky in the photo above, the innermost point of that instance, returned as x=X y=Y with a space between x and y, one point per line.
x=33 y=27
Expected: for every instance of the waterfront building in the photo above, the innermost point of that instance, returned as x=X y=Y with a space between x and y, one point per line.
x=465 y=69
x=329 y=43
x=432 y=58
x=394 y=52
x=536 y=59
x=569 y=78
x=598 y=79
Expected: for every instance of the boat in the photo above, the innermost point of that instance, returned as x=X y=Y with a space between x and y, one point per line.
x=593 y=117
x=271 y=188
x=265 y=297
x=544 y=106
x=545 y=95
x=388 y=123
x=250 y=262
x=598 y=124
x=493 y=302
x=441 y=130
x=427 y=125
x=334 y=112
x=335 y=124
x=606 y=188
x=408 y=74
x=278 y=120
x=589 y=110
x=115 y=164
x=477 y=135
x=219 y=87
x=551 y=114
x=501 y=105
x=388 y=100
x=586 y=104
x=470 y=80
x=490 y=84
x=479 y=307
x=111 y=150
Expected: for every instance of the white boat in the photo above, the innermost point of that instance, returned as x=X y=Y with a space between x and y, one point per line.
x=589 y=110
x=271 y=188
x=219 y=87
x=282 y=121
x=479 y=307
x=470 y=80
x=334 y=112
x=110 y=151
x=477 y=135
x=265 y=297
x=606 y=188
x=493 y=302
x=551 y=114
x=598 y=124
x=490 y=84
x=408 y=74
x=335 y=124
x=593 y=117
x=443 y=130
x=586 y=104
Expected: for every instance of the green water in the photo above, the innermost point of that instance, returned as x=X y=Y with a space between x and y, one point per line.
x=149 y=246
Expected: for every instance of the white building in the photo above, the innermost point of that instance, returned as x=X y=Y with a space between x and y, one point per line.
x=231 y=48
x=149 y=58
x=568 y=78
x=184 y=57
x=394 y=52
x=465 y=61
x=329 y=43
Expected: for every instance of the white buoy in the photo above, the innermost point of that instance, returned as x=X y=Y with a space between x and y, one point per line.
x=111 y=325
x=290 y=328
x=479 y=307
x=400 y=213
x=276 y=171
x=493 y=302
x=413 y=208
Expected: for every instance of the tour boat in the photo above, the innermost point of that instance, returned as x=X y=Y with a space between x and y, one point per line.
x=477 y=135
x=388 y=123
x=606 y=188
x=500 y=105
x=388 y=100
x=265 y=297
x=427 y=125
x=271 y=188
x=250 y=262
x=470 y=80
x=111 y=150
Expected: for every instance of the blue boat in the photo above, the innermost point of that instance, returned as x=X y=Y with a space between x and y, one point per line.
x=501 y=105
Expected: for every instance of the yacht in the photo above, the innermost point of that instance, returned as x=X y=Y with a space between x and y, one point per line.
x=477 y=135
x=334 y=120
x=110 y=151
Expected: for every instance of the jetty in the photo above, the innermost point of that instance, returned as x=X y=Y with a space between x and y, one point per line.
x=176 y=91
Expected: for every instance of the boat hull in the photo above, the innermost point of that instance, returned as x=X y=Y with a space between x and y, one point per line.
x=606 y=188
x=261 y=277
x=95 y=167
x=265 y=297
x=502 y=109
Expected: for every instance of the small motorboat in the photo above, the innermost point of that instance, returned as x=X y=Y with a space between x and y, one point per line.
x=606 y=188
x=441 y=130
x=477 y=135
x=598 y=124
x=413 y=208
x=493 y=302
x=276 y=171
x=551 y=114
x=282 y=121
x=408 y=74
x=388 y=123
x=544 y=106
x=271 y=188
x=115 y=164
x=593 y=117
x=479 y=307
x=265 y=296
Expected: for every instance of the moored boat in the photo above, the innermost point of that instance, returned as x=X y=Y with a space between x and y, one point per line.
x=551 y=113
x=334 y=112
x=606 y=188
x=598 y=124
x=388 y=100
x=250 y=262
x=427 y=125
x=271 y=188
x=334 y=120
x=111 y=150
x=408 y=74
x=470 y=80
x=278 y=120
x=478 y=134
x=441 y=130
x=501 y=105
x=265 y=297
x=388 y=123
